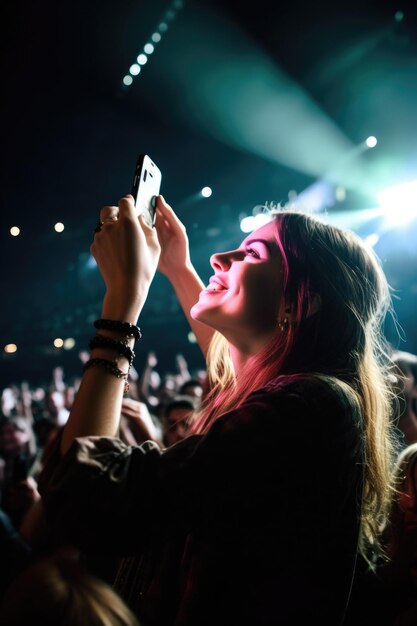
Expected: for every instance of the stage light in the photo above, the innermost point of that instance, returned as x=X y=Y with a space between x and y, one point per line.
x=191 y=337
x=340 y=194
x=399 y=16
x=399 y=204
x=142 y=59
x=372 y=239
x=10 y=348
x=134 y=69
x=252 y=222
x=170 y=15
x=371 y=141
x=149 y=48
x=247 y=224
x=58 y=342
x=206 y=192
x=127 y=80
x=15 y=231
x=59 y=227
x=69 y=343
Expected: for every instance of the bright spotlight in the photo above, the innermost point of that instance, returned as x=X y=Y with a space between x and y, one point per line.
x=127 y=80
x=134 y=69
x=148 y=48
x=340 y=194
x=142 y=59
x=371 y=141
x=191 y=337
x=206 y=192
x=10 y=348
x=15 y=231
x=58 y=342
x=399 y=204
x=372 y=239
x=247 y=224
x=69 y=343
x=156 y=37
x=59 y=227
x=250 y=223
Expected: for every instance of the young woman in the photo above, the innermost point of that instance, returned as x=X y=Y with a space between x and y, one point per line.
x=257 y=516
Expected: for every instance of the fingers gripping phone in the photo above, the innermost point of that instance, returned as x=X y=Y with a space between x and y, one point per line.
x=145 y=187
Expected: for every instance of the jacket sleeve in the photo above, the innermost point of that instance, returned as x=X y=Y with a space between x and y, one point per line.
x=257 y=463
x=105 y=493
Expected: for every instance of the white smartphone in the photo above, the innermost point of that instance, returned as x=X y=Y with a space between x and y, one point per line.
x=145 y=187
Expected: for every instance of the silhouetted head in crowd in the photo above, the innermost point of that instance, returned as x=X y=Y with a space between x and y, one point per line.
x=191 y=387
x=404 y=380
x=57 y=591
x=177 y=417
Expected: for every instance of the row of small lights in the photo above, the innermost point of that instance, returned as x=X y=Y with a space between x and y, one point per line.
x=15 y=230
x=134 y=70
x=156 y=37
x=249 y=223
x=149 y=47
x=69 y=343
x=59 y=227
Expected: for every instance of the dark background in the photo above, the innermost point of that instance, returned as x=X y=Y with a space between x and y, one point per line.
x=71 y=133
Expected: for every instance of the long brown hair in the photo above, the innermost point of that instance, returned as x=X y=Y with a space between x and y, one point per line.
x=343 y=339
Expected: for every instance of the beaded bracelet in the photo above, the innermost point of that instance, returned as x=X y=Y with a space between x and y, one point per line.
x=128 y=329
x=111 y=367
x=101 y=341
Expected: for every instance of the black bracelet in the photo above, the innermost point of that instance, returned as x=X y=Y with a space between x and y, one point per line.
x=111 y=367
x=101 y=341
x=127 y=329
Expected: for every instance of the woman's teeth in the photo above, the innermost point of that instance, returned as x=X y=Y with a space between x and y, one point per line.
x=215 y=287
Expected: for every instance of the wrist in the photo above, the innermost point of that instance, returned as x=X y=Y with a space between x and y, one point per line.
x=177 y=274
x=115 y=307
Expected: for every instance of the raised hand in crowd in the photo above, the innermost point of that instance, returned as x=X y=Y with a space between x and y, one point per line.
x=137 y=424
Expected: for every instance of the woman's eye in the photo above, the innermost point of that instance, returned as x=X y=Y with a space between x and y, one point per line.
x=252 y=252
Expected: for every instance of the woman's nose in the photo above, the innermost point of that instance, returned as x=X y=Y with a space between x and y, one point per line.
x=221 y=261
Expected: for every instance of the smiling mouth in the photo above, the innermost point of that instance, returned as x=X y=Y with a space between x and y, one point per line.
x=215 y=287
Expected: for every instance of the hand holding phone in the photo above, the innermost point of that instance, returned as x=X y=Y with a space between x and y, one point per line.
x=145 y=187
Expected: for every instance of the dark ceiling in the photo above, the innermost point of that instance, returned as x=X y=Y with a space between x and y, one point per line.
x=71 y=133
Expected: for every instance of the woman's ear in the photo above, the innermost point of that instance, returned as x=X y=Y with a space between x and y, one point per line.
x=314 y=304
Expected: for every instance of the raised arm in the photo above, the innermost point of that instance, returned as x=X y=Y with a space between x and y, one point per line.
x=127 y=252
x=175 y=264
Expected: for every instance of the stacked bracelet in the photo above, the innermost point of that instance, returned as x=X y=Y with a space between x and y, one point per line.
x=122 y=347
x=111 y=367
x=101 y=341
x=127 y=329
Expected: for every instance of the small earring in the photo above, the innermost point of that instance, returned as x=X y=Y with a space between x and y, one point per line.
x=282 y=324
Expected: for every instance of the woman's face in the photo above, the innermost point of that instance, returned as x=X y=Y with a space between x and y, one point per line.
x=244 y=300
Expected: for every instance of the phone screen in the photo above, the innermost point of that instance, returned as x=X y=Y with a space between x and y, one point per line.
x=145 y=187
